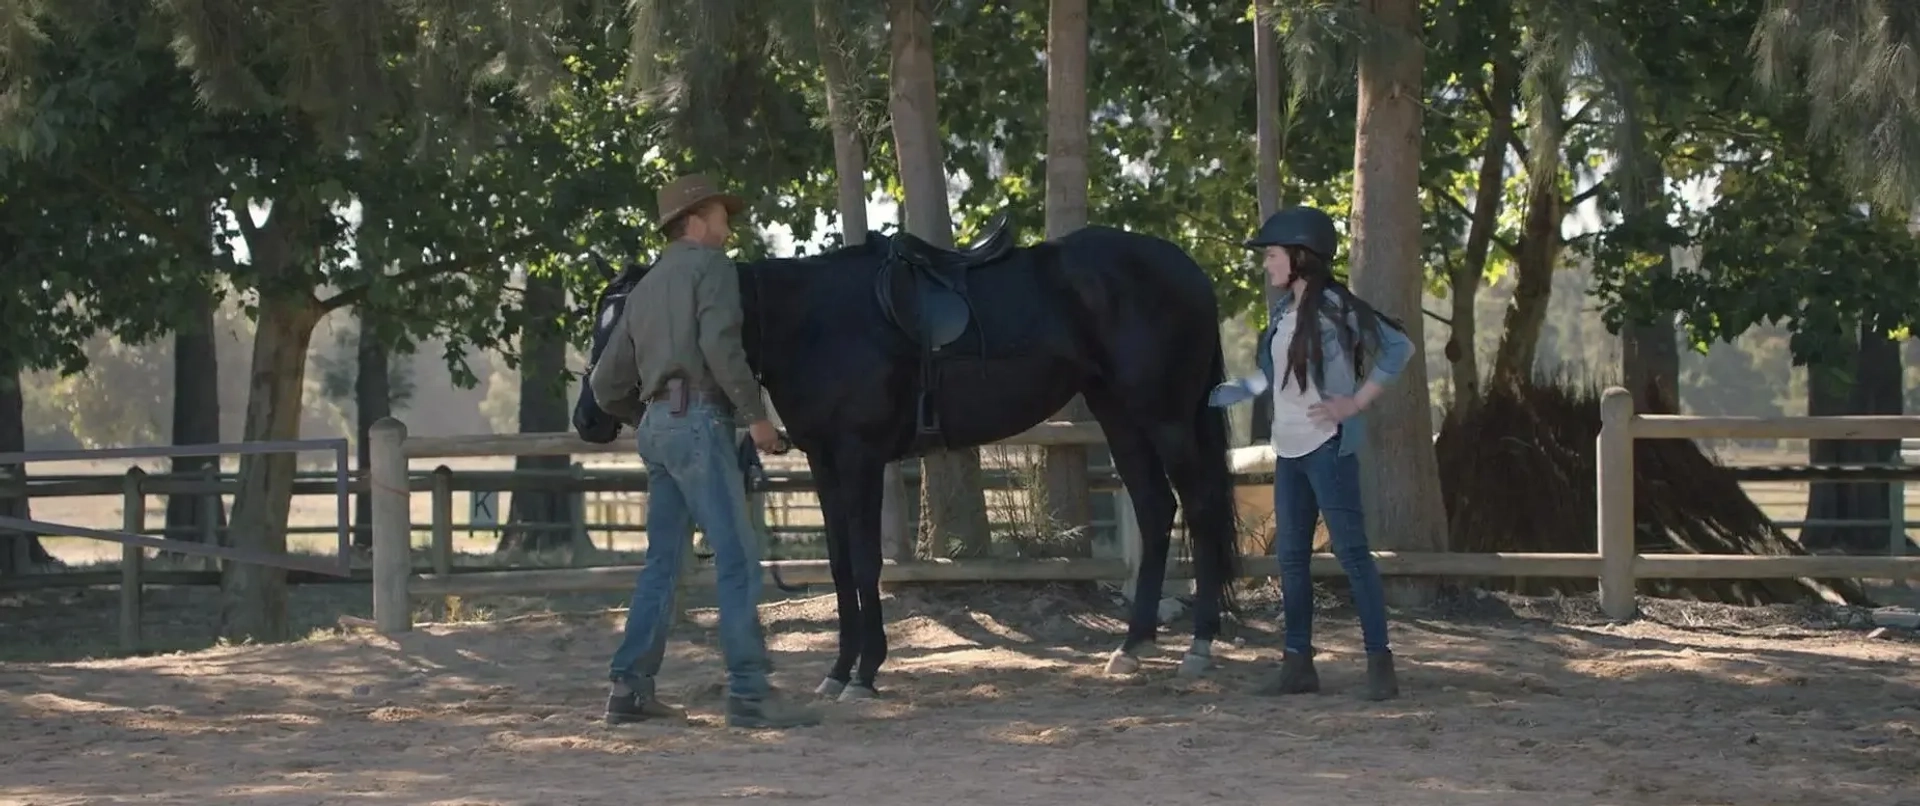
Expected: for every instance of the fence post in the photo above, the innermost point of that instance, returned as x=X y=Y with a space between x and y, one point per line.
x=19 y=545
x=1613 y=472
x=577 y=537
x=762 y=540
x=133 y=517
x=392 y=525
x=210 y=506
x=1126 y=532
x=1897 y=514
x=443 y=520
x=443 y=530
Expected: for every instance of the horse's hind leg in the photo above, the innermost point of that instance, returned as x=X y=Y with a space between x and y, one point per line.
x=1206 y=500
x=1153 y=505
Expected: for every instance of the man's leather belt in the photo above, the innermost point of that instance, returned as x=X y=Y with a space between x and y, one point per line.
x=678 y=395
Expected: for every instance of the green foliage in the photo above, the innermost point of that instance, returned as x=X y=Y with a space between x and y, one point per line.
x=1786 y=243
x=71 y=265
x=345 y=69
x=399 y=223
x=115 y=187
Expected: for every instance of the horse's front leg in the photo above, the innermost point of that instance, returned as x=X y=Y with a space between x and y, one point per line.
x=862 y=486
x=833 y=510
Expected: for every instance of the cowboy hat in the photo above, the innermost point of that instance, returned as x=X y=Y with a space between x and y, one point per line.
x=685 y=193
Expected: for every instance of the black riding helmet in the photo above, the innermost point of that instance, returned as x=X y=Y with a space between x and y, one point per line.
x=1298 y=226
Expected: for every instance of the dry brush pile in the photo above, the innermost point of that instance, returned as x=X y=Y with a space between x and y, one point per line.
x=1517 y=475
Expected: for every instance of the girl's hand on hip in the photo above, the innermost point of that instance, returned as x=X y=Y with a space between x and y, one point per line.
x=1333 y=410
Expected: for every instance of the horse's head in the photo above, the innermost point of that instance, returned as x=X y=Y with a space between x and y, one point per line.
x=589 y=421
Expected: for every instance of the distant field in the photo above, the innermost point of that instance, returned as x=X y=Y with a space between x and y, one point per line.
x=1782 y=501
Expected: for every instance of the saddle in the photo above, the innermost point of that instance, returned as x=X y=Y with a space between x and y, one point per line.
x=922 y=290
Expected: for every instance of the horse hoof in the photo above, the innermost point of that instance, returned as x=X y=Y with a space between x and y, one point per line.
x=1122 y=663
x=830 y=688
x=857 y=692
x=1192 y=665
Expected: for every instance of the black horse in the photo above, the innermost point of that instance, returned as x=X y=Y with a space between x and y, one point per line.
x=885 y=350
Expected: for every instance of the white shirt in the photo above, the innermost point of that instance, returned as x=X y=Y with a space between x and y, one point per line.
x=1294 y=433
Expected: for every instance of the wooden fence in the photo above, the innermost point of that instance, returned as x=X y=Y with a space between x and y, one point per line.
x=1617 y=565
x=390 y=483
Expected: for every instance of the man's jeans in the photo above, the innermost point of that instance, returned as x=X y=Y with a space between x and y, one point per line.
x=694 y=476
x=1323 y=483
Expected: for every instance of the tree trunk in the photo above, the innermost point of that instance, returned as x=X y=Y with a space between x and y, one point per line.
x=1463 y=287
x=1533 y=285
x=1266 y=166
x=955 y=507
x=372 y=401
x=1829 y=387
x=1068 y=499
x=1540 y=245
x=1879 y=387
x=19 y=551
x=1650 y=352
x=897 y=535
x=1400 y=477
x=254 y=597
x=1650 y=358
x=849 y=152
x=1872 y=385
x=543 y=409
x=196 y=417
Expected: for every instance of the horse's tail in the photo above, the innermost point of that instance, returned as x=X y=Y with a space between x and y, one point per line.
x=1216 y=548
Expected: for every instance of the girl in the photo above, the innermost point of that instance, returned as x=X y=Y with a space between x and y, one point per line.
x=1317 y=338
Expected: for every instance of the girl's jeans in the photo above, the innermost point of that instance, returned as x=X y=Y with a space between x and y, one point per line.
x=1323 y=483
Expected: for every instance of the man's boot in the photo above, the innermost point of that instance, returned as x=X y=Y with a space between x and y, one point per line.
x=769 y=712
x=626 y=705
x=1382 y=684
x=1297 y=676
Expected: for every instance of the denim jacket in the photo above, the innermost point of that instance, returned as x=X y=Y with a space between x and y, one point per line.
x=1388 y=352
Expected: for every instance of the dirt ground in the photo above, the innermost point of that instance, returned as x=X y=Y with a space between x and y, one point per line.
x=995 y=696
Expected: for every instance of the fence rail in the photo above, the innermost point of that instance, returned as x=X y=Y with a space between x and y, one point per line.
x=134 y=512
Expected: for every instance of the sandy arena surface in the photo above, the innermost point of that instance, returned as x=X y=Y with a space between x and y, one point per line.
x=995 y=696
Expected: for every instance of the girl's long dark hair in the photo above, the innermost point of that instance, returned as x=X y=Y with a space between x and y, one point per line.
x=1304 y=350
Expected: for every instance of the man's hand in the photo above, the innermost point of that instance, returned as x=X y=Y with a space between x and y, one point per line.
x=1333 y=410
x=764 y=437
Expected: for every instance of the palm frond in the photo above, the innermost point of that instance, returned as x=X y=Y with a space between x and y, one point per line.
x=1855 y=64
x=21 y=36
x=1320 y=42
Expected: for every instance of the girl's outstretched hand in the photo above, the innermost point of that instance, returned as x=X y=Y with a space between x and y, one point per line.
x=1238 y=390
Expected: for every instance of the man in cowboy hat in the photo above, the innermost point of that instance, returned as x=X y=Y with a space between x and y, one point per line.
x=677 y=347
